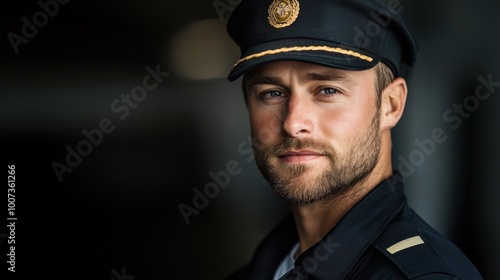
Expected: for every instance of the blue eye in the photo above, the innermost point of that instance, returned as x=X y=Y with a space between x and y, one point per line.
x=272 y=94
x=329 y=91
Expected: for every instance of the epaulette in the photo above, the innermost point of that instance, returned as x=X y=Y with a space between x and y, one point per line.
x=411 y=251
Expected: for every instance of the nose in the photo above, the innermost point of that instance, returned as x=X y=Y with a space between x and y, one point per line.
x=298 y=119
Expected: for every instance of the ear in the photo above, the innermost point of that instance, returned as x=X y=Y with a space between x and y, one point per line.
x=393 y=102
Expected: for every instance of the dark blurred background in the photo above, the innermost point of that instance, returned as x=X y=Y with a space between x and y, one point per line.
x=116 y=214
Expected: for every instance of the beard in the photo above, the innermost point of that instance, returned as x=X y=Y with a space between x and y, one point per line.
x=345 y=169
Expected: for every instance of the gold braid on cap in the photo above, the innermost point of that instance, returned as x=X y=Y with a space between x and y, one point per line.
x=306 y=48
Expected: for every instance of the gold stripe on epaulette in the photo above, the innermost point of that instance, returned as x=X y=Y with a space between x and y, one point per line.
x=306 y=48
x=405 y=244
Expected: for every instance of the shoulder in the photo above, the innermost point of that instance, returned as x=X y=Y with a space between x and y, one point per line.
x=420 y=252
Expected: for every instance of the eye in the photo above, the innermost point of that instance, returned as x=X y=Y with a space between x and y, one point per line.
x=272 y=95
x=329 y=91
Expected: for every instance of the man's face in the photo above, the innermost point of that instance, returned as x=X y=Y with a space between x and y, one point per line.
x=315 y=129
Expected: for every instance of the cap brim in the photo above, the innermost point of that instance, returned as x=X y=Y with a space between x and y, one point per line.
x=306 y=50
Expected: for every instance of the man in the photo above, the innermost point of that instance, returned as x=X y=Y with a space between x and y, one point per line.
x=324 y=85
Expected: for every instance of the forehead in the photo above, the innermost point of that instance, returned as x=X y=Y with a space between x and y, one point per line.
x=305 y=71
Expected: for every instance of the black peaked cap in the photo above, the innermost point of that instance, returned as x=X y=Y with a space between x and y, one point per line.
x=345 y=34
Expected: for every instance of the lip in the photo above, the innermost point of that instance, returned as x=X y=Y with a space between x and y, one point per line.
x=300 y=156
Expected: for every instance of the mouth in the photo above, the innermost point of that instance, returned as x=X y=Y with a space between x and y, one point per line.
x=300 y=156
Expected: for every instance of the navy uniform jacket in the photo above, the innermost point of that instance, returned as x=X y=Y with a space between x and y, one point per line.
x=379 y=238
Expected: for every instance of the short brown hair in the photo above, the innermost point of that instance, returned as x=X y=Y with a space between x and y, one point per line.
x=384 y=77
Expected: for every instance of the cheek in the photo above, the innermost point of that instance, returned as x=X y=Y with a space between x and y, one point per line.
x=266 y=126
x=335 y=121
x=344 y=125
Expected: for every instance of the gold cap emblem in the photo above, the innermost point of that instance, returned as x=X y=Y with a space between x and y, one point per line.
x=283 y=13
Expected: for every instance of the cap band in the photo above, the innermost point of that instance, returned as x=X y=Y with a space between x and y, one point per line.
x=307 y=48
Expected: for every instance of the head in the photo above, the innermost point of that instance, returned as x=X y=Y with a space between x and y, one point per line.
x=320 y=131
x=321 y=100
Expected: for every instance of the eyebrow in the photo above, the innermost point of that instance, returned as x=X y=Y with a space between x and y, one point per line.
x=327 y=76
x=263 y=80
x=310 y=76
